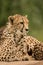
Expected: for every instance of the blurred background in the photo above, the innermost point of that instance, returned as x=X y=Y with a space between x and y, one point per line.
x=32 y=8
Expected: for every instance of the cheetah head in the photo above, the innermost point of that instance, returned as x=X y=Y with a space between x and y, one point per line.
x=18 y=22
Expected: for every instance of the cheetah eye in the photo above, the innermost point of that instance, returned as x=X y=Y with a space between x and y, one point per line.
x=21 y=22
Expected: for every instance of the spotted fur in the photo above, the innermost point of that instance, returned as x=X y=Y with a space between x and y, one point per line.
x=16 y=44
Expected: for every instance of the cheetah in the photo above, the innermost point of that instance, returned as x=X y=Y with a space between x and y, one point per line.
x=14 y=31
x=17 y=45
x=34 y=47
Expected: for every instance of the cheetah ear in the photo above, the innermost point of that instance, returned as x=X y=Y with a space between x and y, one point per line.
x=26 y=16
x=10 y=19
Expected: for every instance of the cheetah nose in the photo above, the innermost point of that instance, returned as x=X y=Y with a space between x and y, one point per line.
x=26 y=29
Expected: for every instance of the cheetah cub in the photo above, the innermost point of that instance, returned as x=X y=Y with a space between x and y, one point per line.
x=15 y=30
x=17 y=45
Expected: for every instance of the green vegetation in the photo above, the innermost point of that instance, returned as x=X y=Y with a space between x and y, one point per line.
x=32 y=8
